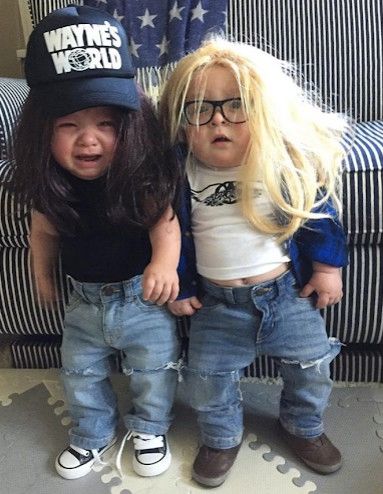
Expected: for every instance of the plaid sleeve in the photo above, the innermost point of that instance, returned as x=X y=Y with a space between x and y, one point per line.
x=187 y=265
x=323 y=240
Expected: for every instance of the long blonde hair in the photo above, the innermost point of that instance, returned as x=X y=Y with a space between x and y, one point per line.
x=295 y=146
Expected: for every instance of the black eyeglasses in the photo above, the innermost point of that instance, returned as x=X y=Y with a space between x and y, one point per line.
x=202 y=112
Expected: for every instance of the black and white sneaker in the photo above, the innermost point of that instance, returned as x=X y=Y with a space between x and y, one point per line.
x=75 y=462
x=151 y=454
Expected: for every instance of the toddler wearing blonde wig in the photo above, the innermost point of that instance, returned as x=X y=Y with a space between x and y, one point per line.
x=263 y=163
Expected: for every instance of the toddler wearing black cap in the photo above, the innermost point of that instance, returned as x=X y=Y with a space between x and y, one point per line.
x=91 y=163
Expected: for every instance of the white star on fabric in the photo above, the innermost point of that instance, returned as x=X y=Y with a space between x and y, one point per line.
x=147 y=19
x=225 y=24
x=116 y=16
x=175 y=12
x=133 y=48
x=198 y=12
x=102 y=1
x=163 y=46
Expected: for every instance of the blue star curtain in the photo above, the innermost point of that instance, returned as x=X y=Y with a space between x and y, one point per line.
x=162 y=31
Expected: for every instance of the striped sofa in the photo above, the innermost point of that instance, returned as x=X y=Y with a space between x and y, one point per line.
x=338 y=46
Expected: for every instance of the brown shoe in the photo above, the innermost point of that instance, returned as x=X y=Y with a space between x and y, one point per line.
x=318 y=452
x=212 y=466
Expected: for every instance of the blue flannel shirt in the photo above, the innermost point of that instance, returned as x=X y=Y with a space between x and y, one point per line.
x=322 y=240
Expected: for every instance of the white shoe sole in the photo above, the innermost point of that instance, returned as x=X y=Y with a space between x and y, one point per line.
x=81 y=471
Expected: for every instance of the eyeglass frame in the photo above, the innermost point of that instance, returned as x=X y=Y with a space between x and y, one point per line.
x=216 y=104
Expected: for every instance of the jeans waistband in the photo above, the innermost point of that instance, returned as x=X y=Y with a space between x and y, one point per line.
x=99 y=292
x=245 y=294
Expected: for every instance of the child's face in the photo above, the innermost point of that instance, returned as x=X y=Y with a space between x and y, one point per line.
x=84 y=142
x=218 y=143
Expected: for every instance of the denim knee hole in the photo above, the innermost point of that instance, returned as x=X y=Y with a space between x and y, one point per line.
x=335 y=346
x=177 y=366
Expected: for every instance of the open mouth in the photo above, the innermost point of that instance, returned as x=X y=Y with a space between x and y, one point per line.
x=88 y=158
x=221 y=139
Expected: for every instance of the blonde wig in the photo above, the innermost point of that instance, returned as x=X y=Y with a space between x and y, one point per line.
x=295 y=147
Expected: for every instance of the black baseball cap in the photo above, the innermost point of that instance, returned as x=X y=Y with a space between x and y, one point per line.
x=78 y=57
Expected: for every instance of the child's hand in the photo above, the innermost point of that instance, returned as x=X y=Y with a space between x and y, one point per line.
x=159 y=284
x=326 y=281
x=185 y=307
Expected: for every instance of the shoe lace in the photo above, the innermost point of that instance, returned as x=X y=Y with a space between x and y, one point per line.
x=87 y=452
x=125 y=439
x=140 y=442
x=146 y=441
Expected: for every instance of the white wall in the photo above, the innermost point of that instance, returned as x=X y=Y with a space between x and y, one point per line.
x=11 y=39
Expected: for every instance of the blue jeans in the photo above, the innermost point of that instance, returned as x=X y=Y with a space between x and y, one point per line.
x=236 y=325
x=101 y=321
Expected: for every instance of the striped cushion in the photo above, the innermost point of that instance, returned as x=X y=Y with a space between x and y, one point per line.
x=20 y=310
x=36 y=353
x=337 y=45
x=14 y=220
x=366 y=153
x=12 y=95
x=359 y=365
x=38 y=9
x=363 y=188
x=358 y=317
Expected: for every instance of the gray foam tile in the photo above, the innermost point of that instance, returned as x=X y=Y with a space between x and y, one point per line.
x=350 y=421
x=31 y=435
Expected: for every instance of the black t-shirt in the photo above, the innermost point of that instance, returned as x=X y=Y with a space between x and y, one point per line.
x=101 y=252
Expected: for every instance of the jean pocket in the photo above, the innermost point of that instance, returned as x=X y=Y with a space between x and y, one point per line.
x=74 y=301
x=147 y=304
x=294 y=295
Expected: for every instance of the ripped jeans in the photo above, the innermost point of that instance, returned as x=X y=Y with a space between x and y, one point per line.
x=236 y=325
x=100 y=321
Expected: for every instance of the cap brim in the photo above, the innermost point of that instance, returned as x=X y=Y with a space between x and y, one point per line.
x=63 y=98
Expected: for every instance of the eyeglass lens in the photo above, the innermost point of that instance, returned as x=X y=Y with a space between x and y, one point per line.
x=201 y=112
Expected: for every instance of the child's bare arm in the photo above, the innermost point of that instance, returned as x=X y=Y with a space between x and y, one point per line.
x=44 y=243
x=326 y=282
x=160 y=278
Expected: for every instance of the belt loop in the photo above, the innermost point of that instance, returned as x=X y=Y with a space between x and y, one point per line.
x=128 y=289
x=230 y=295
x=125 y=287
x=282 y=282
x=77 y=286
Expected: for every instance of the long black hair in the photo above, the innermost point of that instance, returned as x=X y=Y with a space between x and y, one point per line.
x=142 y=181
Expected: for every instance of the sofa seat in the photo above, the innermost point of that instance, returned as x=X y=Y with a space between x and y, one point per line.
x=356 y=320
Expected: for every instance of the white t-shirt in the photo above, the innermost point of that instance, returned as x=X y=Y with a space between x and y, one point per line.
x=227 y=245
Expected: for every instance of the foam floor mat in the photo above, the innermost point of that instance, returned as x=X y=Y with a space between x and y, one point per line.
x=34 y=423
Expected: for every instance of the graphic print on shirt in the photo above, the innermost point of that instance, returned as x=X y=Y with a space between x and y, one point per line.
x=217 y=194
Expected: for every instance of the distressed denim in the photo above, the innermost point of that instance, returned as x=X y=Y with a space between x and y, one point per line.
x=236 y=325
x=101 y=321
